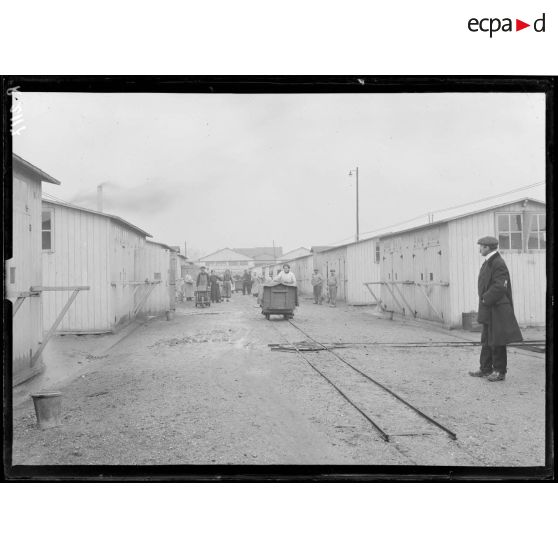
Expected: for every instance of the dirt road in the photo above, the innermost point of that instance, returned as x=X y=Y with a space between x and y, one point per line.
x=205 y=388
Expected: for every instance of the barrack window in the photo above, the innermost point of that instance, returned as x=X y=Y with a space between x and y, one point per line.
x=46 y=229
x=537 y=232
x=510 y=231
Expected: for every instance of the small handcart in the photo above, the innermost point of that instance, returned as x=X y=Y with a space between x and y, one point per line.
x=238 y=285
x=278 y=298
x=202 y=297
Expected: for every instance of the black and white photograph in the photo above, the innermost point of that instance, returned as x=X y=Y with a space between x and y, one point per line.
x=225 y=275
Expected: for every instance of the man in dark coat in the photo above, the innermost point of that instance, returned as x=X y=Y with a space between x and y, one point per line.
x=499 y=326
x=246 y=282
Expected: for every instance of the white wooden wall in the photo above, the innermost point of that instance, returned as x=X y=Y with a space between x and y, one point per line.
x=154 y=262
x=527 y=270
x=420 y=256
x=303 y=268
x=361 y=267
x=125 y=245
x=528 y=277
x=26 y=261
x=336 y=259
x=79 y=256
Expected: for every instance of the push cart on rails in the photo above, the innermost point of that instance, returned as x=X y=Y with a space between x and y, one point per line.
x=278 y=298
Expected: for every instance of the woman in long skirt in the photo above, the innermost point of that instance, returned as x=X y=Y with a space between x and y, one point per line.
x=188 y=287
x=215 y=292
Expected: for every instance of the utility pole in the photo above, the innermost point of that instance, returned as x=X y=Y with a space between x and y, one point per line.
x=357 y=223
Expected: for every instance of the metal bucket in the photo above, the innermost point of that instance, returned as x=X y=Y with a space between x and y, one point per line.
x=469 y=321
x=48 y=408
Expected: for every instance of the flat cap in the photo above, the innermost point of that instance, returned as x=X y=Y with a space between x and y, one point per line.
x=488 y=241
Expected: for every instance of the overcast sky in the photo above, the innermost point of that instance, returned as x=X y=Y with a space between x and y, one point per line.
x=248 y=170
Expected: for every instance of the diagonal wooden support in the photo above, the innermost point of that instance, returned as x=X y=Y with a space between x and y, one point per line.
x=54 y=326
x=378 y=300
x=137 y=287
x=413 y=312
x=148 y=291
x=421 y=287
x=17 y=305
x=388 y=287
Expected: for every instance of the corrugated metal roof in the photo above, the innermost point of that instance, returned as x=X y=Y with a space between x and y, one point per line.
x=288 y=255
x=107 y=215
x=460 y=216
x=161 y=244
x=19 y=161
x=295 y=259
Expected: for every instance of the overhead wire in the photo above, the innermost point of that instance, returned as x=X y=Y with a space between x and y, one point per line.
x=425 y=215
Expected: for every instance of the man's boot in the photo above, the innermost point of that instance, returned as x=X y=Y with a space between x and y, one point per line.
x=481 y=373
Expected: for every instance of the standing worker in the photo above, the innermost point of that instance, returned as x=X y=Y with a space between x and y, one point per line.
x=227 y=284
x=246 y=282
x=202 y=280
x=499 y=326
x=332 y=287
x=317 y=286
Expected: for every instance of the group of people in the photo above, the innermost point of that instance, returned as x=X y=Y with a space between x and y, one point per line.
x=221 y=287
x=330 y=294
x=496 y=314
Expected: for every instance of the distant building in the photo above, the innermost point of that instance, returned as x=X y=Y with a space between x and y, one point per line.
x=226 y=258
x=240 y=259
x=262 y=254
x=24 y=269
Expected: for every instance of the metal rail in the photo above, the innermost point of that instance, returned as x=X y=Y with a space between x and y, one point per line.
x=451 y=434
x=403 y=344
x=381 y=432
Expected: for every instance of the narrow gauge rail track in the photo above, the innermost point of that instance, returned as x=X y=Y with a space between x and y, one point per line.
x=535 y=346
x=383 y=434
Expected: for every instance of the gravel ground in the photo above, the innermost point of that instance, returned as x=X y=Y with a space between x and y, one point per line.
x=204 y=388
